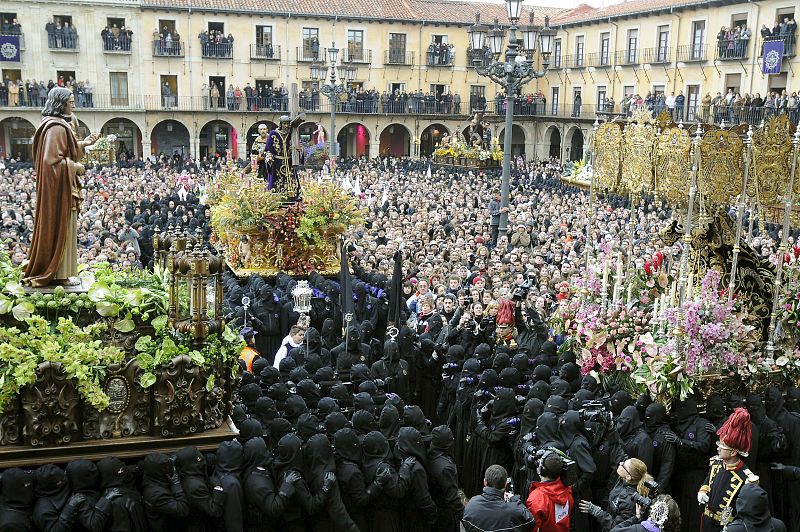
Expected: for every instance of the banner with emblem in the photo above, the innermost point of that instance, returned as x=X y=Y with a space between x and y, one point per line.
x=773 y=55
x=9 y=47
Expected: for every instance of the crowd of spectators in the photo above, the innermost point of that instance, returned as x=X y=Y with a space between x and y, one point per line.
x=117 y=39
x=214 y=43
x=732 y=42
x=61 y=34
x=167 y=42
x=785 y=30
x=32 y=93
x=441 y=54
x=443 y=370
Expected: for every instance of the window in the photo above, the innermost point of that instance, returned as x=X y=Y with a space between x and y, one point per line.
x=662 y=53
x=777 y=83
x=62 y=19
x=216 y=27
x=554 y=94
x=263 y=47
x=118 y=82
x=167 y=26
x=786 y=12
x=311 y=44
x=605 y=45
x=65 y=76
x=309 y=85
x=631 y=52
x=698 y=40
x=398 y=88
x=477 y=90
x=692 y=101
x=733 y=82
x=14 y=74
x=439 y=39
x=10 y=25
x=738 y=19
x=263 y=35
x=355 y=45
x=557 y=53
x=601 y=98
x=397 y=48
x=438 y=89
x=658 y=90
x=579 y=49
x=118 y=22
x=627 y=91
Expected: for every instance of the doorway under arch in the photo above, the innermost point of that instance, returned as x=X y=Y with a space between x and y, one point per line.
x=170 y=137
x=216 y=138
x=129 y=136
x=353 y=140
x=16 y=137
x=395 y=141
x=517 y=140
x=430 y=138
x=576 y=145
x=555 y=143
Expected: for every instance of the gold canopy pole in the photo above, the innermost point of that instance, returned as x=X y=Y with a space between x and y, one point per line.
x=787 y=211
x=680 y=330
x=590 y=213
x=748 y=154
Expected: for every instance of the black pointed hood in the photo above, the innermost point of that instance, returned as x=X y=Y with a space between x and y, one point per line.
x=628 y=422
x=18 y=491
x=346 y=445
x=83 y=476
x=190 y=462
x=254 y=454
x=752 y=509
x=51 y=483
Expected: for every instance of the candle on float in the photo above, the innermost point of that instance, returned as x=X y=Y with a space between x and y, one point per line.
x=630 y=293
x=672 y=291
x=690 y=287
x=619 y=267
x=605 y=277
x=655 y=308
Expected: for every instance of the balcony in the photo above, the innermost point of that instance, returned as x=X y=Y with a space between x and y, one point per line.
x=600 y=60
x=731 y=50
x=655 y=56
x=627 y=57
x=398 y=57
x=357 y=56
x=483 y=58
x=306 y=54
x=117 y=45
x=689 y=53
x=162 y=48
x=440 y=58
x=267 y=52
x=558 y=62
x=223 y=50
x=574 y=61
x=789 y=45
x=58 y=42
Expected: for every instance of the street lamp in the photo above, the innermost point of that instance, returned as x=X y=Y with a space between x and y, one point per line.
x=332 y=90
x=510 y=74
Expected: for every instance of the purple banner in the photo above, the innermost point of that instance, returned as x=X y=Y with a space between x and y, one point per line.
x=773 y=55
x=9 y=47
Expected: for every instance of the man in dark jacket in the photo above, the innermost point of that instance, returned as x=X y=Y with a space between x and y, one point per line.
x=490 y=511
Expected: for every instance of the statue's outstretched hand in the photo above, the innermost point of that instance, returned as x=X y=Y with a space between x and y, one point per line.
x=91 y=139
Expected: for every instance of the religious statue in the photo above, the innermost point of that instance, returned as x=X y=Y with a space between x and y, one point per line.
x=281 y=173
x=487 y=134
x=257 y=152
x=445 y=141
x=475 y=134
x=53 y=255
x=319 y=135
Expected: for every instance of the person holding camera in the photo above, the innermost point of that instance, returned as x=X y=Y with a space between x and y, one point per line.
x=550 y=501
x=664 y=515
x=632 y=488
x=495 y=509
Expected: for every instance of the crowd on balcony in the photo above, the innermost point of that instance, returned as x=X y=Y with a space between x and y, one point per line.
x=260 y=97
x=735 y=108
x=732 y=42
x=32 y=93
x=61 y=35
x=166 y=42
x=116 y=39
x=784 y=30
x=265 y=49
x=216 y=44
x=11 y=27
x=524 y=104
x=441 y=54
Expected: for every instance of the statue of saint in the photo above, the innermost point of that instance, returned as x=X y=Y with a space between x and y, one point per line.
x=281 y=174
x=53 y=255
x=319 y=135
x=257 y=152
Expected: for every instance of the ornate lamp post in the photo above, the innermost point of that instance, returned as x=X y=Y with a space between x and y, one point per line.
x=332 y=90
x=511 y=74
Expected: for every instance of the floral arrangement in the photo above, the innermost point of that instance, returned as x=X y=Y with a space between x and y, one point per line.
x=73 y=329
x=788 y=317
x=80 y=351
x=315 y=154
x=716 y=331
x=614 y=339
x=295 y=238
